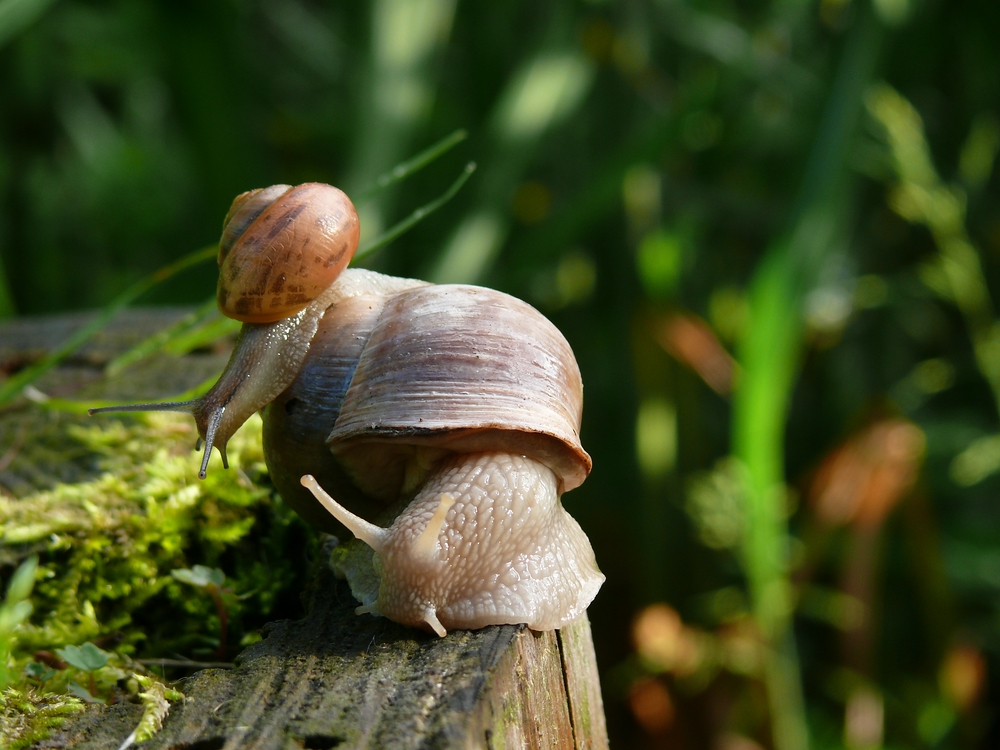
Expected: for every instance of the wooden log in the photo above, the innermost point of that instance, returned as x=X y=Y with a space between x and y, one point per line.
x=335 y=679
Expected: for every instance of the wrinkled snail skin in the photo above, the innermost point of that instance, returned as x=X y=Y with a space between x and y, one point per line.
x=486 y=541
x=461 y=403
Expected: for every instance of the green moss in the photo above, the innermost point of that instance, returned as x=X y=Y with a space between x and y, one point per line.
x=107 y=547
x=360 y=565
x=29 y=716
x=155 y=699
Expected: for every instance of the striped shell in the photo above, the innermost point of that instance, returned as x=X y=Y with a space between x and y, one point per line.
x=281 y=247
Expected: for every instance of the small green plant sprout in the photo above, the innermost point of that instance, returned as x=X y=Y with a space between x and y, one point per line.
x=87 y=658
x=39 y=672
x=15 y=609
x=211 y=580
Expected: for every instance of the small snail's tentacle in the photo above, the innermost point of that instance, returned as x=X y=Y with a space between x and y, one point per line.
x=187 y=407
x=265 y=360
x=281 y=249
x=214 y=420
x=372 y=535
x=425 y=546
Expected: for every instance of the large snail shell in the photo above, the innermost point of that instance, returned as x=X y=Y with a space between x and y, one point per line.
x=400 y=376
x=281 y=247
x=466 y=369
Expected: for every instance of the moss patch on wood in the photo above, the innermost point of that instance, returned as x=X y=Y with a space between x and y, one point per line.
x=107 y=547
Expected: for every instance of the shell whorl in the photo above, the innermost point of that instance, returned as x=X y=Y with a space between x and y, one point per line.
x=464 y=369
x=400 y=373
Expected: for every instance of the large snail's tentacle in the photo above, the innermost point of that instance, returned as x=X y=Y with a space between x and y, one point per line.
x=425 y=546
x=372 y=535
x=430 y=617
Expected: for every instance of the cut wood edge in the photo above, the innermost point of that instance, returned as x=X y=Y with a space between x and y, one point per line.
x=545 y=693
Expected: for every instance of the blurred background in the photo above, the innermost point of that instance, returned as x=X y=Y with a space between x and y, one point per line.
x=770 y=231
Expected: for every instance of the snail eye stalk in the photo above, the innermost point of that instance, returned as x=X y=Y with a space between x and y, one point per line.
x=185 y=407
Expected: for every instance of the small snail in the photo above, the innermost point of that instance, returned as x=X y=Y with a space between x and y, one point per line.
x=460 y=401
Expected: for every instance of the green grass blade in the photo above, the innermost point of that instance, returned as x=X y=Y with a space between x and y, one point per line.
x=13 y=386
x=162 y=339
x=410 y=166
x=417 y=216
x=213 y=329
x=81 y=407
x=17 y=15
x=769 y=360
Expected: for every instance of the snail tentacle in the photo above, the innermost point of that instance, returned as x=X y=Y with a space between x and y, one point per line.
x=372 y=535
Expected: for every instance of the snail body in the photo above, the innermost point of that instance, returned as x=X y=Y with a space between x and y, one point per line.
x=485 y=541
x=461 y=403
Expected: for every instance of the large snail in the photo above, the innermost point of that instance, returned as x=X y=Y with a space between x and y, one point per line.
x=460 y=400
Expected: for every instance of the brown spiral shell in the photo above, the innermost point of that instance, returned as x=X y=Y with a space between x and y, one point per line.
x=282 y=246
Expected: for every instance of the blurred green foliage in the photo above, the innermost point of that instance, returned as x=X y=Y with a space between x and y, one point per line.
x=770 y=230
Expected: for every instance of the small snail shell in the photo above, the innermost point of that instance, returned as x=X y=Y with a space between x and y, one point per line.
x=461 y=401
x=281 y=247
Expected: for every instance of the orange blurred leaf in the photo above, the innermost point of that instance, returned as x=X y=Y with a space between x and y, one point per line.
x=691 y=341
x=651 y=704
x=864 y=478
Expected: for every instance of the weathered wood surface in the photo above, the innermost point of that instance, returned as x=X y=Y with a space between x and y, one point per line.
x=334 y=679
